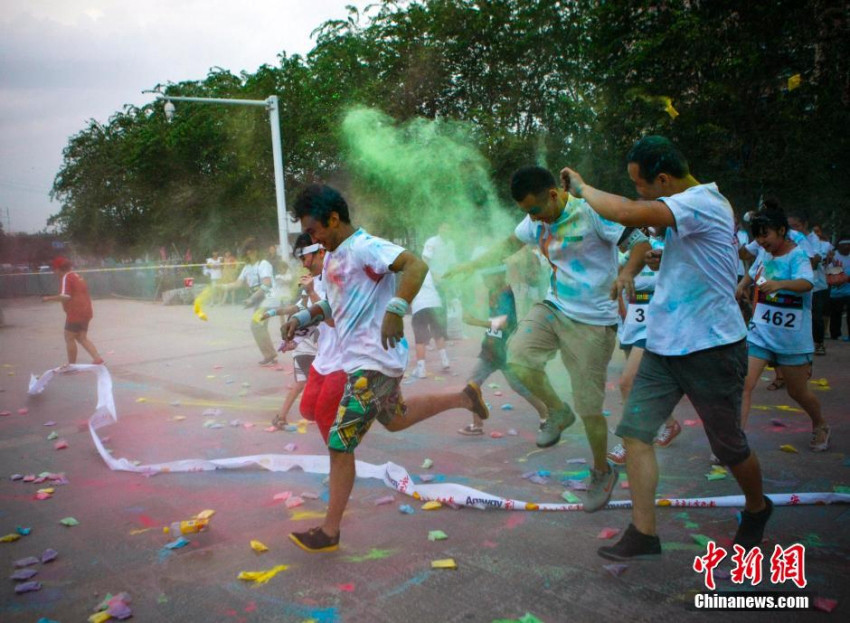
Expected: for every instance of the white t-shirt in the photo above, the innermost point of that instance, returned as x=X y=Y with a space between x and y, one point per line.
x=694 y=305
x=214 y=268
x=633 y=327
x=359 y=284
x=253 y=275
x=439 y=254
x=782 y=322
x=844 y=289
x=427 y=296
x=581 y=248
x=743 y=241
x=819 y=247
x=329 y=358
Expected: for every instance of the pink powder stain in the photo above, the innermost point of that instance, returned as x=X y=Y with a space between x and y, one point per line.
x=251 y=607
x=514 y=520
x=146 y=521
x=489 y=544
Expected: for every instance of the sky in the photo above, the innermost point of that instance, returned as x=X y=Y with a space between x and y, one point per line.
x=63 y=62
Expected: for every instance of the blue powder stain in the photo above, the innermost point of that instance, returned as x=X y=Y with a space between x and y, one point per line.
x=414 y=581
x=577 y=267
x=320 y=615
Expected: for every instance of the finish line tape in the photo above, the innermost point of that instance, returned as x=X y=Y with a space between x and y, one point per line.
x=394 y=476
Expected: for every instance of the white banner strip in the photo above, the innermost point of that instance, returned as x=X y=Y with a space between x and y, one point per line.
x=394 y=476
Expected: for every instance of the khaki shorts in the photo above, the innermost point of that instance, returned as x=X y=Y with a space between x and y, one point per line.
x=585 y=350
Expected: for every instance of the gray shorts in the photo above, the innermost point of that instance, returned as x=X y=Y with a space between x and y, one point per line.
x=713 y=379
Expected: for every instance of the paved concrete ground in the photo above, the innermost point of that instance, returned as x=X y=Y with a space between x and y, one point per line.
x=510 y=562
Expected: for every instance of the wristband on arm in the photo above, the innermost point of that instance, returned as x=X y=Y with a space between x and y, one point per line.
x=398 y=306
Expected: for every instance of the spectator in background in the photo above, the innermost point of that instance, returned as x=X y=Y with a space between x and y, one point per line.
x=214 y=269
x=75 y=299
x=229 y=271
x=818 y=251
x=839 y=296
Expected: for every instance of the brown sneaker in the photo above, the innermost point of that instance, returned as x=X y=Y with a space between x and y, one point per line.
x=479 y=408
x=315 y=540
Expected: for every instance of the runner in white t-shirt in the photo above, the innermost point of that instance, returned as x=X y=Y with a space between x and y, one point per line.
x=781 y=327
x=258 y=276
x=578 y=318
x=798 y=221
x=370 y=283
x=429 y=320
x=695 y=342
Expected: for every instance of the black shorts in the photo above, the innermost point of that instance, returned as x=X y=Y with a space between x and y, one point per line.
x=713 y=379
x=429 y=322
x=77 y=327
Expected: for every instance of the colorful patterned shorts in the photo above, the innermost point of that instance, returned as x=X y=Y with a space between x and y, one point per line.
x=368 y=395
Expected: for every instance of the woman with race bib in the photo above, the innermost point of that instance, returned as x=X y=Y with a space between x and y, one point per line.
x=780 y=332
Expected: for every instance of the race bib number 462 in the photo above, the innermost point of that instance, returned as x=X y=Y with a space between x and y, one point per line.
x=788 y=319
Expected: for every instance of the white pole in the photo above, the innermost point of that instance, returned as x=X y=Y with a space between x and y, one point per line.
x=277 y=155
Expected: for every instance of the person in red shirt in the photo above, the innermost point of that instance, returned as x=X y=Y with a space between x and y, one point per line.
x=74 y=295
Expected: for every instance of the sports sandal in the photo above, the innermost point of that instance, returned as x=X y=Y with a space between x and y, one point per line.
x=777 y=384
x=279 y=422
x=471 y=430
x=479 y=408
x=820 y=438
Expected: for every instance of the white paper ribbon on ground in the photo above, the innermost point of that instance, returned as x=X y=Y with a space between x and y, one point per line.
x=394 y=476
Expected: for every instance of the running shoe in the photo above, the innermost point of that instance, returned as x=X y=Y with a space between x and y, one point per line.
x=820 y=349
x=419 y=372
x=633 y=545
x=820 y=439
x=315 y=540
x=617 y=455
x=479 y=407
x=668 y=434
x=550 y=430
x=751 y=529
x=600 y=489
x=444 y=359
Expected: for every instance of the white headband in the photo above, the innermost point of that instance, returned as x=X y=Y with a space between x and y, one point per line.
x=313 y=248
x=845 y=241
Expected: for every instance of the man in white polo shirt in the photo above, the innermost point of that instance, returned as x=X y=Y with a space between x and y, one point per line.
x=696 y=342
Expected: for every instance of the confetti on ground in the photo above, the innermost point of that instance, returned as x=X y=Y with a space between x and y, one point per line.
x=60 y=445
x=407 y=509
x=26 y=562
x=427 y=464
x=507 y=407
x=538 y=479
x=26 y=587
x=348 y=588
x=615 y=570
x=571 y=497
x=178 y=543
x=22 y=531
x=496 y=434
x=258 y=547
x=789 y=448
x=577 y=461
x=387 y=499
x=497 y=393
x=445 y=563
x=431 y=506
x=294 y=502
x=290 y=447
x=51 y=423
x=425 y=477
x=141 y=399
x=52 y=436
x=700 y=539
x=690 y=422
x=69 y=521
x=608 y=533
x=261 y=577
x=49 y=555
x=10 y=538
x=23 y=411
x=309 y=495
x=23 y=574
x=437 y=535
x=512 y=432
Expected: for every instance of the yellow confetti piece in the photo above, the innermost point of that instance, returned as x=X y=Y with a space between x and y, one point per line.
x=794 y=82
x=670 y=110
x=9 y=538
x=821 y=382
x=100 y=617
x=206 y=514
x=445 y=563
x=179 y=418
x=431 y=506
x=139 y=531
x=789 y=408
x=261 y=577
x=210 y=376
x=258 y=547
x=301 y=515
x=788 y=448
x=49 y=491
x=141 y=399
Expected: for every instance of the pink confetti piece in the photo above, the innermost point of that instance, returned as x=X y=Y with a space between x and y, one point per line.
x=690 y=422
x=607 y=533
x=270 y=429
x=50 y=423
x=283 y=496
x=496 y=434
x=23 y=411
x=42 y=496
x=387 y=499
x=348 y=588
x=290 y=447
x=60 y=445
x=294 y=502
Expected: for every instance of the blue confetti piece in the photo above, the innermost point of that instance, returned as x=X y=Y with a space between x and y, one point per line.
x=180 y=542
x=406 y=509
x=507 y=407
x=23 y=531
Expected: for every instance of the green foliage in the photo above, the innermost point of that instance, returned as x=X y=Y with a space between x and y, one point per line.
x=472 y=89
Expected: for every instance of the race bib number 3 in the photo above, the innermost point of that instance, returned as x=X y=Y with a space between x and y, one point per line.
x=636 y=314
x=778 y=317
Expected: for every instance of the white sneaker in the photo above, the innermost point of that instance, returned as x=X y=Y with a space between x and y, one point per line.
x=444 y=359
x=419 y=372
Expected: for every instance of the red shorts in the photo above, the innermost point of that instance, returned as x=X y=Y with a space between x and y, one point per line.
x=320 y=400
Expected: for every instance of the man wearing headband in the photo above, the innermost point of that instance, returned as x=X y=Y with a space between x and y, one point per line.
x=578 y=317
x=696 y=339
x=370 y=283
x=75 y=299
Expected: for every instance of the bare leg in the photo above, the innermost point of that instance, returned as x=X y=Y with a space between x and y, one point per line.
x=420 y=352
x=341 y=482
x=627 y=378
x=754 y=370
x=642 y=469
x=288 y=401
x=797 y=381
x=71 y=346
x=422 y=407
x=85 y=342
x=748 y=475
